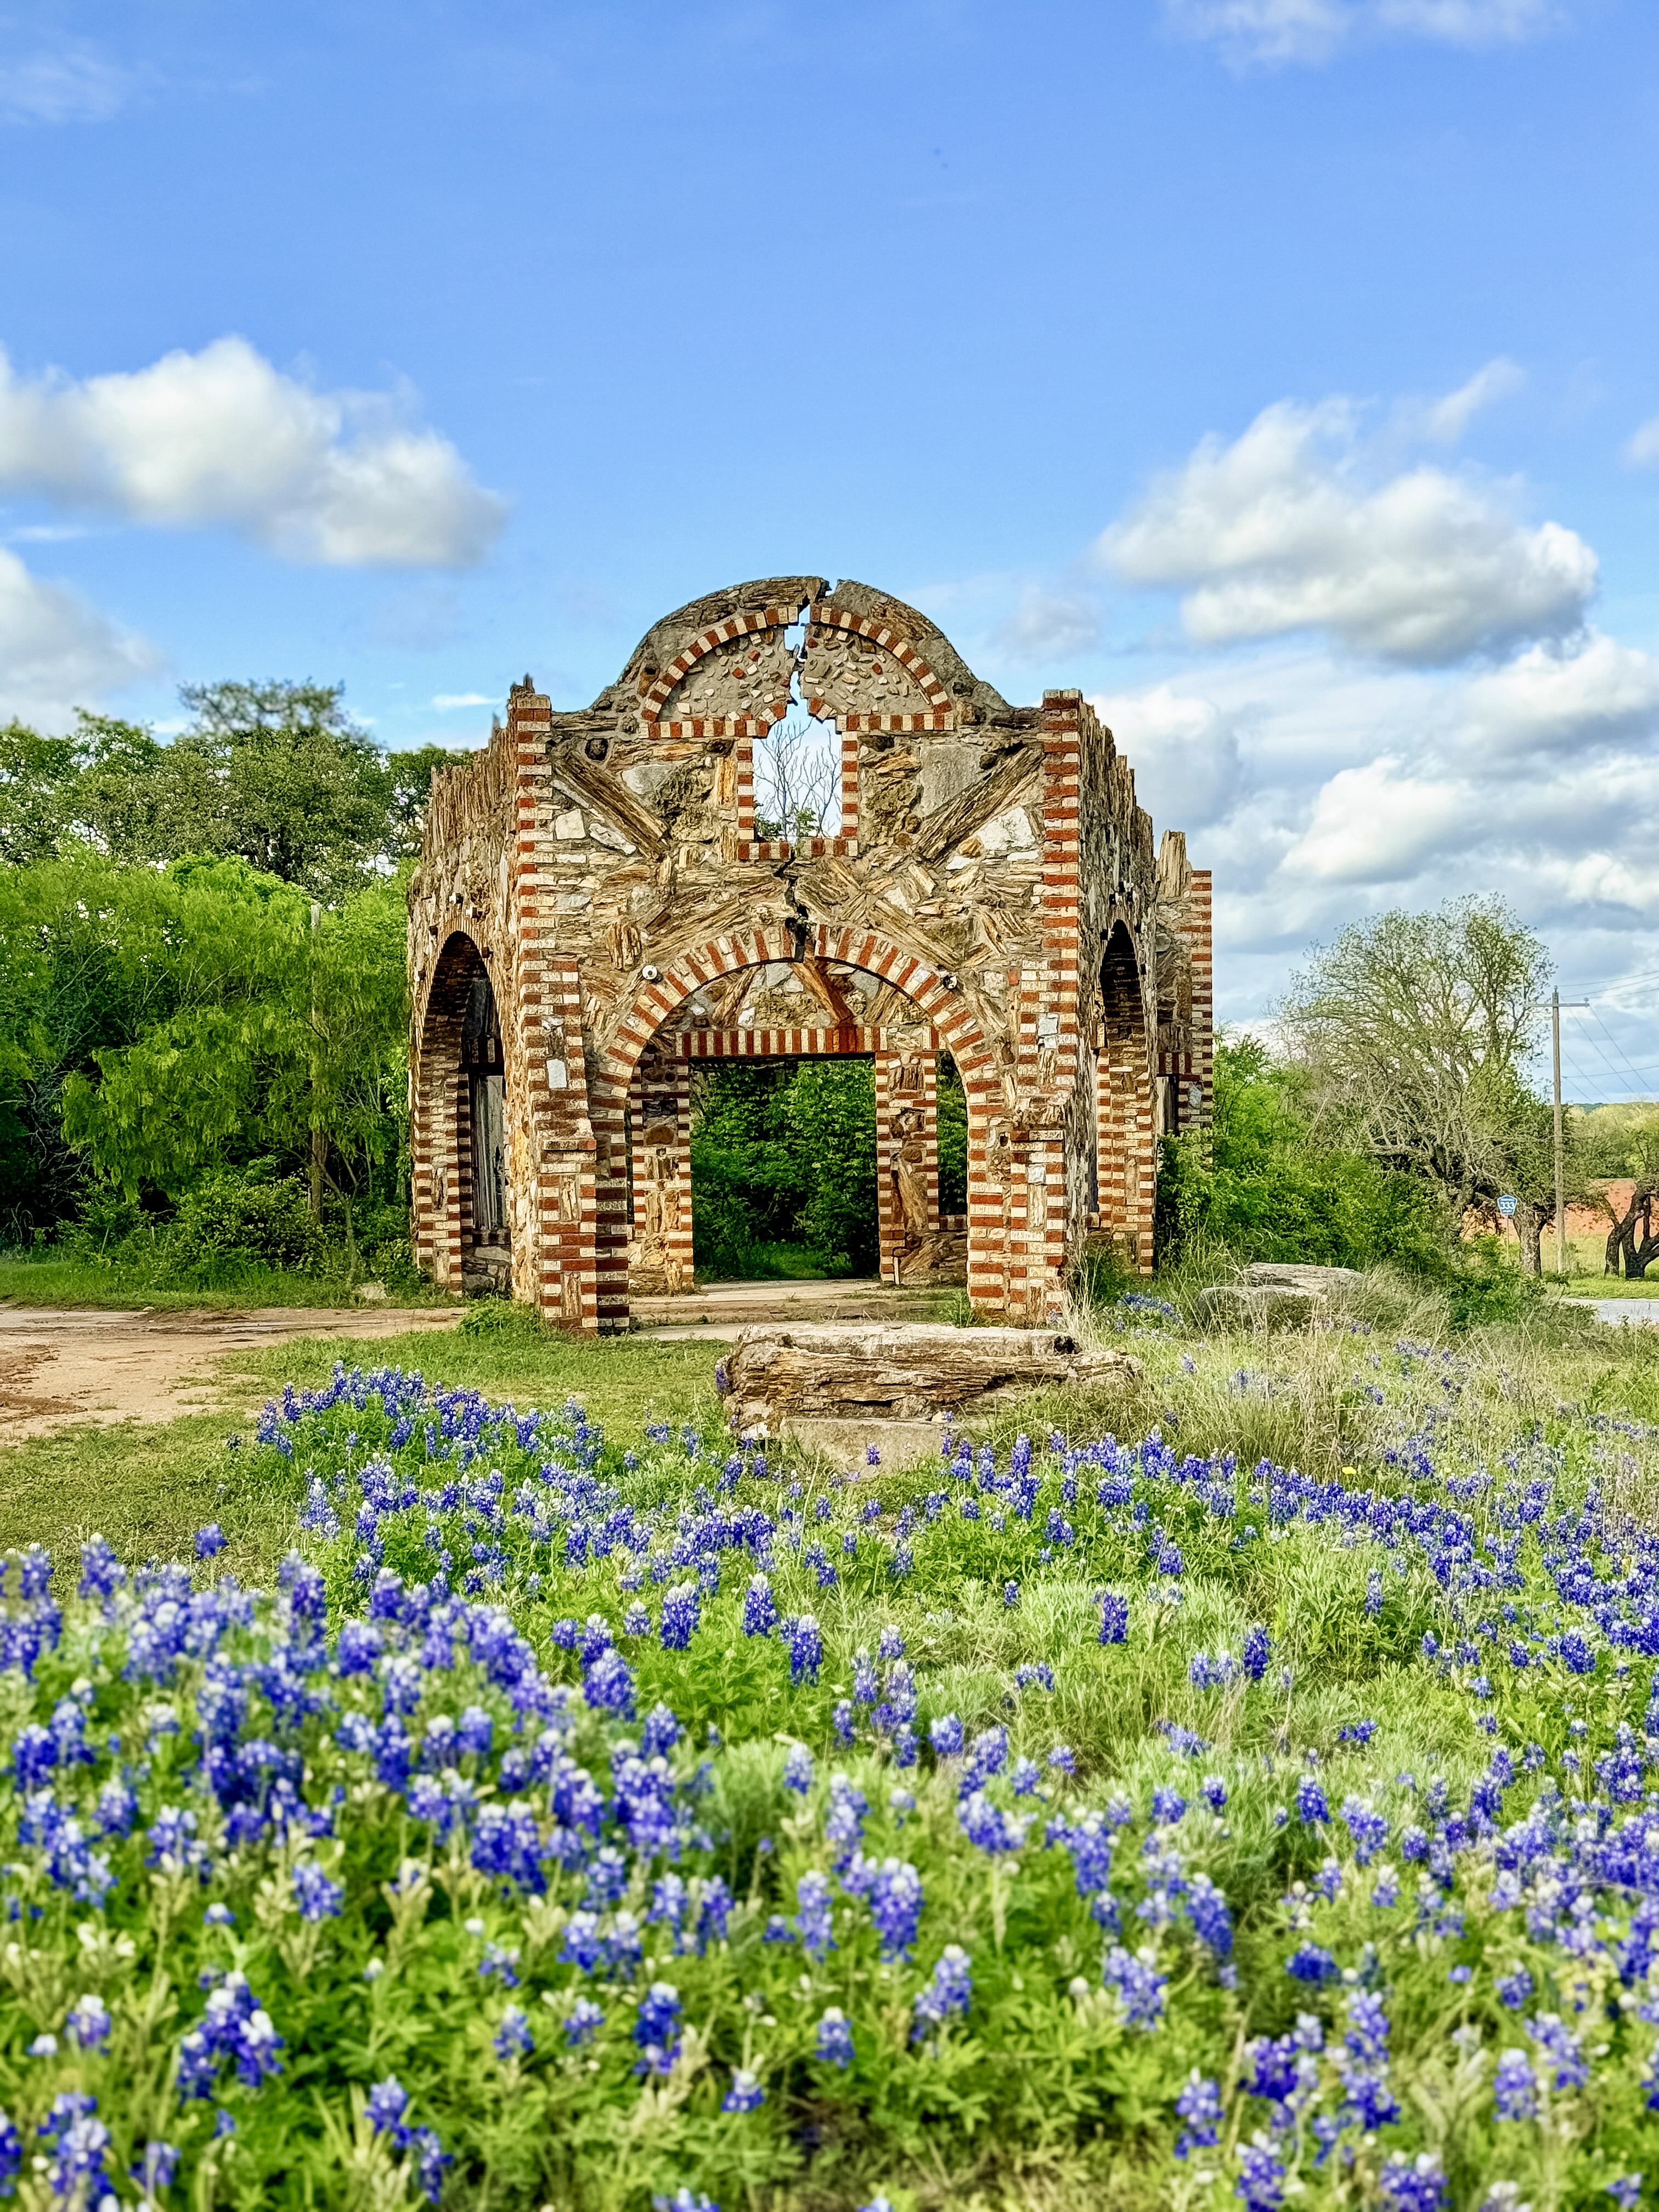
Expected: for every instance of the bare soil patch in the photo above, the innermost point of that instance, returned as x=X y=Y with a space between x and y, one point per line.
x=60 y=1367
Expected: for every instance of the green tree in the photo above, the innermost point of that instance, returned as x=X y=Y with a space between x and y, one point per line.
x=1260 y=1186
x=288 y=1043
x=190 y=1017
x=303 y=793
x=34 y=772
x=1410 y=1035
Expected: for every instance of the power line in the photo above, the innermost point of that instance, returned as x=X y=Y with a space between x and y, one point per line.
x=1612 y=1040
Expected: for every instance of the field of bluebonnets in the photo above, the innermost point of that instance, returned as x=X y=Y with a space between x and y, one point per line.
x=593 y=1821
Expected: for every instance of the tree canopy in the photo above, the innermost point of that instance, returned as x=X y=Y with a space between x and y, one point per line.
x=277 y=773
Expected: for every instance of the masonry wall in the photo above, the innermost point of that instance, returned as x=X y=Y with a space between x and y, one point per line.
x=603 y=866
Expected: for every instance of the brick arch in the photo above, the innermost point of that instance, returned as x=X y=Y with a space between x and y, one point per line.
x=1124 y=1135
x=440 y=1137
x=851 y=947
x=826 y=614
x=655 y=1004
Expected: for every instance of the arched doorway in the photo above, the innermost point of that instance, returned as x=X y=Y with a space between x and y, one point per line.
x=853 y=996
x=459 y=1132
x=1123 y=1112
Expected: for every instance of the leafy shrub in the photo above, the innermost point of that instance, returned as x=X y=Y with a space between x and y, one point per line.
x=1257 y=1187
x=231 y=1220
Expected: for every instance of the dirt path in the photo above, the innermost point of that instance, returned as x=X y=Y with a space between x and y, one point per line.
x=61 y=1366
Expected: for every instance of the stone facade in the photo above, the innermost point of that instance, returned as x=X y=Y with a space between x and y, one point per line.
x=596 y=905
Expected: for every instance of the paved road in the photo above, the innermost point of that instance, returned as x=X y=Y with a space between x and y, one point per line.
x=1621 y=1313
x=62 y=1366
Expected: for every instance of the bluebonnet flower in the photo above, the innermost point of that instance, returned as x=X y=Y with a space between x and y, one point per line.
x=840 y=1719
x=1625 y=2191
x=585 y=2019
x=1026 y=1776
x=1214 y=1790
x=1169 y=1806
x=988 y=1827
x=1200 y=2105
x=798 y=1769
x=1413 y=2185
x=1515 y=2087
x=1311 y=1802
x=1063 y=1758
x=1368 y=1827
x=805 y=1645
x=656 y=2029
x=1513 y=1989
x=945 y=1735
x=660 y=1734
x=745 y=2094
x=1211 y=1919
x=1308 y=1962
x=609 y=1684
x=835 y=2039
x=813 y=1914
x=1139 y=1986
x=512 y=2038
x=684 y=2200
x=1113 y=1617
x=949 y=1990
x=1261 y=2184
x=1034 y=1675
x=88 y=2022
x=843 y=1825
x=636 y=1622
x=682 y=1609
x=210 y=1540
x=760 y=1612
x=1552 y=2035
x=1010 y=1593
x=1258 y=1650
x=894 y=1894
x=316 y=1896
x=154 y=2166
x=81 y=2141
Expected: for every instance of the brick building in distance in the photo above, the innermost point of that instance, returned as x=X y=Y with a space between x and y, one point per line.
x=606 y=895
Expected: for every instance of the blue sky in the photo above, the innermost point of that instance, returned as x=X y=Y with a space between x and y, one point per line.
x=1281 y=371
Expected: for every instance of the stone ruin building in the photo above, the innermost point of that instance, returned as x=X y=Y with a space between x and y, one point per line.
x=607 y=895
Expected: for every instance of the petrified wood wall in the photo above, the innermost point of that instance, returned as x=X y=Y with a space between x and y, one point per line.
x=991 y=889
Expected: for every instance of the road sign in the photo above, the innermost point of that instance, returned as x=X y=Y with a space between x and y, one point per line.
x=1506 y=1206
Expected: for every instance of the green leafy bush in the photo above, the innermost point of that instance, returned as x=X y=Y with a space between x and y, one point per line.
x=228 y=1220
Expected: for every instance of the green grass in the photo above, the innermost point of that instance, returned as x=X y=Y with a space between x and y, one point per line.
x=148 y=1486
x=1041 y=2098
x=50 y=1280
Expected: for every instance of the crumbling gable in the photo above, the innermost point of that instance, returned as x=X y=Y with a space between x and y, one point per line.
x=599 y=902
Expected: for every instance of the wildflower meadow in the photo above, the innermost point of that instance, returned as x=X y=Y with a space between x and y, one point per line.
x=667 y=1818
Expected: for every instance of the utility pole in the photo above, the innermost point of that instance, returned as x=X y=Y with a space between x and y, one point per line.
x=1556 y=1003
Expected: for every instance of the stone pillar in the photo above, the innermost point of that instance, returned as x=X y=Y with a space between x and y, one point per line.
x=1200 y=945
x=907 y=1147
x=660 y=1113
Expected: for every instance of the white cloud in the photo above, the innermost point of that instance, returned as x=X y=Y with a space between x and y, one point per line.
x=1643 y=450
x=77 y=84
x=1184 y=752
x=1545 y=701
x=1376 y=825
x=1288 y=529
x=221 y=437
x=446 y=700
x=1446 y=420
x=1046 y=625
x=1267 y=33
x=56 y=653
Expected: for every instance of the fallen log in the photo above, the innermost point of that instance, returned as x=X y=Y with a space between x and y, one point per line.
x=900 y=1371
